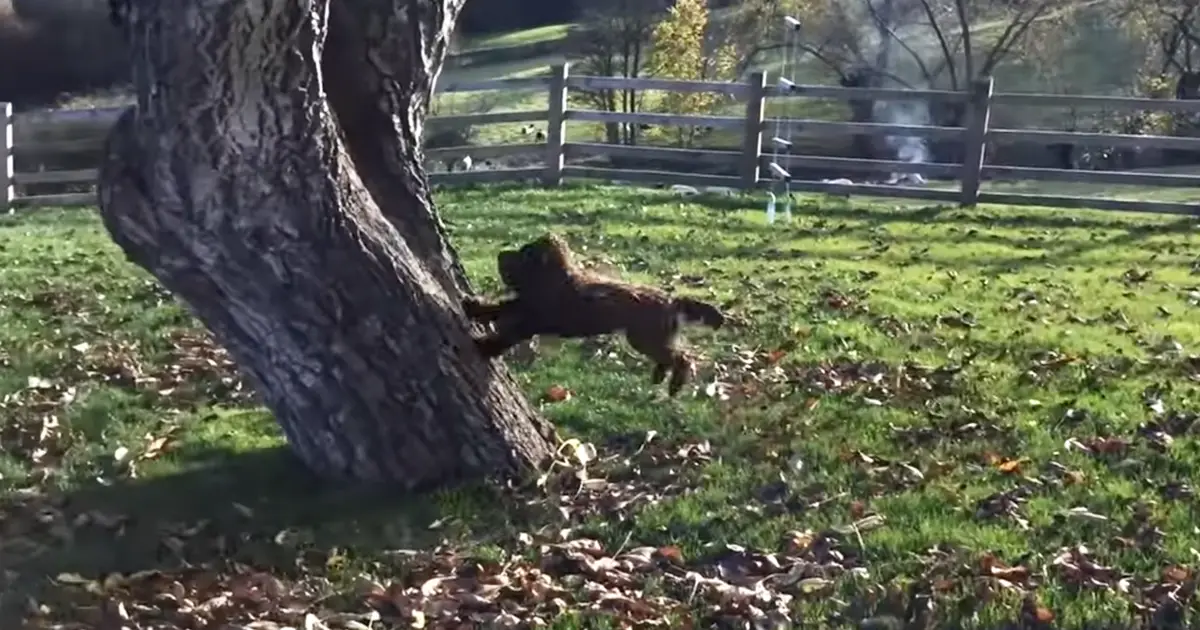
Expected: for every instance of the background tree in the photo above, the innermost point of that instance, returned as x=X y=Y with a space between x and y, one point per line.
x=300 y=230
x=943 y=44
x=612 y=41
x=1170 y=32
x=64 y=47
x=683 y=48
x=1168 y=36
x=920 y=43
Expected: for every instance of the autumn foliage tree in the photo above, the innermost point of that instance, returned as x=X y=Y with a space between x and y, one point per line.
x=271 y=177
x=684 y=47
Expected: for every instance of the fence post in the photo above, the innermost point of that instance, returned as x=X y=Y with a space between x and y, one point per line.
x=751 y=156
x=556 y=126
x=6 y=154
x=979 y=110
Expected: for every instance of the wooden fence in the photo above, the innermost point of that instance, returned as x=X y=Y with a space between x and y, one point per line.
x=761 y=162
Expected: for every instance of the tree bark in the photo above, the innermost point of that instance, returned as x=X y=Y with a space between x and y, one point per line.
x=382 y=58
x=862 y=110
x=231 y=182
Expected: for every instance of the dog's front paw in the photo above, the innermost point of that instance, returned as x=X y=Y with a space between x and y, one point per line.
x=490 y=347
x=473 y=307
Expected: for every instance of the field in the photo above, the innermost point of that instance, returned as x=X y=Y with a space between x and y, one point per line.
x=952 y=418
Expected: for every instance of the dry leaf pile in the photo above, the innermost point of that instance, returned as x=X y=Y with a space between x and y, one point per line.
x=582 y=484
x=197 y=370
x=635 y=587
x=553 y=571
x=544 y=573
x=749 y=373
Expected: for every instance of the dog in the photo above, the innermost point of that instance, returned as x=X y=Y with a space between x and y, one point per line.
x=554 y=296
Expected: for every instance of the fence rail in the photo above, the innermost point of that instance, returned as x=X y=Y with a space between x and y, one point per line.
x=761 y=162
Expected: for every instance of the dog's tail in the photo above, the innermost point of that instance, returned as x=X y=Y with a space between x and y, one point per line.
x=692 y=310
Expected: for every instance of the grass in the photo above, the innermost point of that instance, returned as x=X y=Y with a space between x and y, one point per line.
x=1126 y=192
x=550 y=32
x=1001 y=386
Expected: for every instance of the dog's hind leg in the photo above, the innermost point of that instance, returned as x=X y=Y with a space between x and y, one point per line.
x=657 y=342
x=682 y=370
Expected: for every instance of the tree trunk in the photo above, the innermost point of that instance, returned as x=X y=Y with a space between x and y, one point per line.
x=948 y=115
x=380 y=68
x=231 y=183
x=863 y=146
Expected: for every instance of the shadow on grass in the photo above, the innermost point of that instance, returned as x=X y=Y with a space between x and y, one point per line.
x=872 y=212
x=470 y=213
x=261 y=508
x=695 y=250
x=473 y=221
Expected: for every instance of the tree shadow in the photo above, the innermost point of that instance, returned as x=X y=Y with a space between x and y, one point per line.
x=261 y=508
x=970 y=226
x=699 y=250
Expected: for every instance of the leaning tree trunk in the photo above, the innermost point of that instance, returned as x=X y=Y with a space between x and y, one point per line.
x=381 y=60
x=232 y=183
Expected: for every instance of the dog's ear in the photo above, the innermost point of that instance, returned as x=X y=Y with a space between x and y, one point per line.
x=553 y=251
x=508 y=264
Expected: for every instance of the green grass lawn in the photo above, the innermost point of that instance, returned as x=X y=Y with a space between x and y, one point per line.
x=940 y=416
x=524 y=37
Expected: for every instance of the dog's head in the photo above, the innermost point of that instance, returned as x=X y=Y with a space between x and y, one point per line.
x=511 y=266
x=546 y=258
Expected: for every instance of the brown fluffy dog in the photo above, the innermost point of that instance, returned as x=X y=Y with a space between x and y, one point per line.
x=553 y=296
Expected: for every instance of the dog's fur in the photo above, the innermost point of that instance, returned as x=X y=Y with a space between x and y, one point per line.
x=554 y=296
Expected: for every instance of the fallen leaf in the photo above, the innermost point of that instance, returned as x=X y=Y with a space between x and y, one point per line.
x=581 y=452
x=1012 y=466
x=672 y=554
x=1176 y=574
x=557 y=393
x=71 y=578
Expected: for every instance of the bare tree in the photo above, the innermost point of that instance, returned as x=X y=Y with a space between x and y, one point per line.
x=916 y=44
x=612 y=41
x=1170 y=33
x=271 y=176
x=926 y=43
x=1172 y=28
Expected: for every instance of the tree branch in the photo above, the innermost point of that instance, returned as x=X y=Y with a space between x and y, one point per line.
x=1012 y=34
x=891 y=33
x=837 y=65
x=943 y=42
